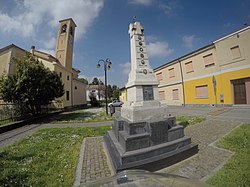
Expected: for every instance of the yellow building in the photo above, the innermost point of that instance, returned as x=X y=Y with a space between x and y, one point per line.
x=217 y=74
x=75 y=91
x=123 y=94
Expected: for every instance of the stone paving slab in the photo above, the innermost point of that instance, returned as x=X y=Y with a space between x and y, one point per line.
x=209 y=158
x=95 y=163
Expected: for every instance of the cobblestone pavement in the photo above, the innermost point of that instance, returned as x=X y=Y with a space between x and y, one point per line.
x=95 y=164
x=209 y=158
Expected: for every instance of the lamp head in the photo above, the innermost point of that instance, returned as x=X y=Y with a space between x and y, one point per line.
x=98 y=65
x=109 y=66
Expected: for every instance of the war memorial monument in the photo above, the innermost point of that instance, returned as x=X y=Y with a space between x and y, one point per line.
x=145 y=133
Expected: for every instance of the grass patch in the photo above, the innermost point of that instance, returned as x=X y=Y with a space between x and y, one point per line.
x=47 y=158
x=236 y=171
x=188 y=120
x=5 y=122
x=83 y=116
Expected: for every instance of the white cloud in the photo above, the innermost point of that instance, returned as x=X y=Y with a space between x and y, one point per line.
x=188 y=41
x=159 y=49
x=142 y=2
x=16 y=24
x=126 y=68
x=167 y=9
x=50 y=43
x=151 y=38
x=36 y=13
x=170 y=8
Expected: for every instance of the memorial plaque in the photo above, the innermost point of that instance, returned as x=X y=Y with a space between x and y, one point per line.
x=148 y=93
x=159 y=132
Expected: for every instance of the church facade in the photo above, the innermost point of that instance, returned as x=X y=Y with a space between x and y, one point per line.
x=216 y=74
x=75 y=91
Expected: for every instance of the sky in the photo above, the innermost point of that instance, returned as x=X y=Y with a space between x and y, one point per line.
x=172 y=29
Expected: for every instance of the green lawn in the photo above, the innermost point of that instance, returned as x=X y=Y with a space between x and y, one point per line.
x=236 y=172
x=188 y=120
x=47 y=158
x=79 y=116
x=5 y=122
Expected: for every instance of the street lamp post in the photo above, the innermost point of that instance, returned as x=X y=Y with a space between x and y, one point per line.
x=106 y=66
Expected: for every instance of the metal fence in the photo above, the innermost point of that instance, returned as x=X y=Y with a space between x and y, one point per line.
x=9 y=112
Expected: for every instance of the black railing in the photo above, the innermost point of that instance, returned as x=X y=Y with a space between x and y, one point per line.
x=9 y=112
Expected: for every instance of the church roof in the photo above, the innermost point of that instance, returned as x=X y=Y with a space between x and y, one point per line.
x=11 y=46
x=68 y=20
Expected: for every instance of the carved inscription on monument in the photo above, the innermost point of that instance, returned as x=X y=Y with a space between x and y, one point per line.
x=148 y=93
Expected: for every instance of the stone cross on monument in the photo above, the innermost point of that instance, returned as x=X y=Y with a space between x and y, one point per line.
x=145 y=133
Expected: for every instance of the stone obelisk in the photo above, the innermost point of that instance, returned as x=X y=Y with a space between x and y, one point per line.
x=143 y=102
x=145 y=132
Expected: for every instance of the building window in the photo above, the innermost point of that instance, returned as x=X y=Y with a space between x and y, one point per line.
x=171 y=73
x=75 y=87
x=189 y=67
x=60 y=74
x=201 y=91
x=208 y=60
x=159 y=76
x=235 y=51
x=67 y=77
x=67 y=95
x=175 y=94
x=162 y=95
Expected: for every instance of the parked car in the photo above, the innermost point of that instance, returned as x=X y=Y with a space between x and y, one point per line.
x=115 y=103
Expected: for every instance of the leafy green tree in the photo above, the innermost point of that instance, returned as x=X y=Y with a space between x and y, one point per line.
x=85 y=81
x=109 y=91
x=115 y=92
x=101 y=83
x=32 y=86
x=95 y=81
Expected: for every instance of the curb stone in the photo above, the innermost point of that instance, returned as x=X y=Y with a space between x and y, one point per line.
x=79 y=165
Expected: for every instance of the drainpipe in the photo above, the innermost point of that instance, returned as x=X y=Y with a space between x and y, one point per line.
x=182 y=83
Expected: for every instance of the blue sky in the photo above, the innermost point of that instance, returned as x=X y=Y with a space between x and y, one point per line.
x=173 y=28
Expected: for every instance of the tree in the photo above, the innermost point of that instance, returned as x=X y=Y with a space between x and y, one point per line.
x=32 y=86
x=109 y=91
x=85 y=81
x=115 y=92
x=95 y=81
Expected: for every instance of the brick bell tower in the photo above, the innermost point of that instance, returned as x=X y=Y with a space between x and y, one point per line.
x=65 y=42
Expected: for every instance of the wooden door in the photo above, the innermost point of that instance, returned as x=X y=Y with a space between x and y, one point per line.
x=239 y=92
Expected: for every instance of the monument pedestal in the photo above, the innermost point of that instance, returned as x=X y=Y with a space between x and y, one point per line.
x=136 y=144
